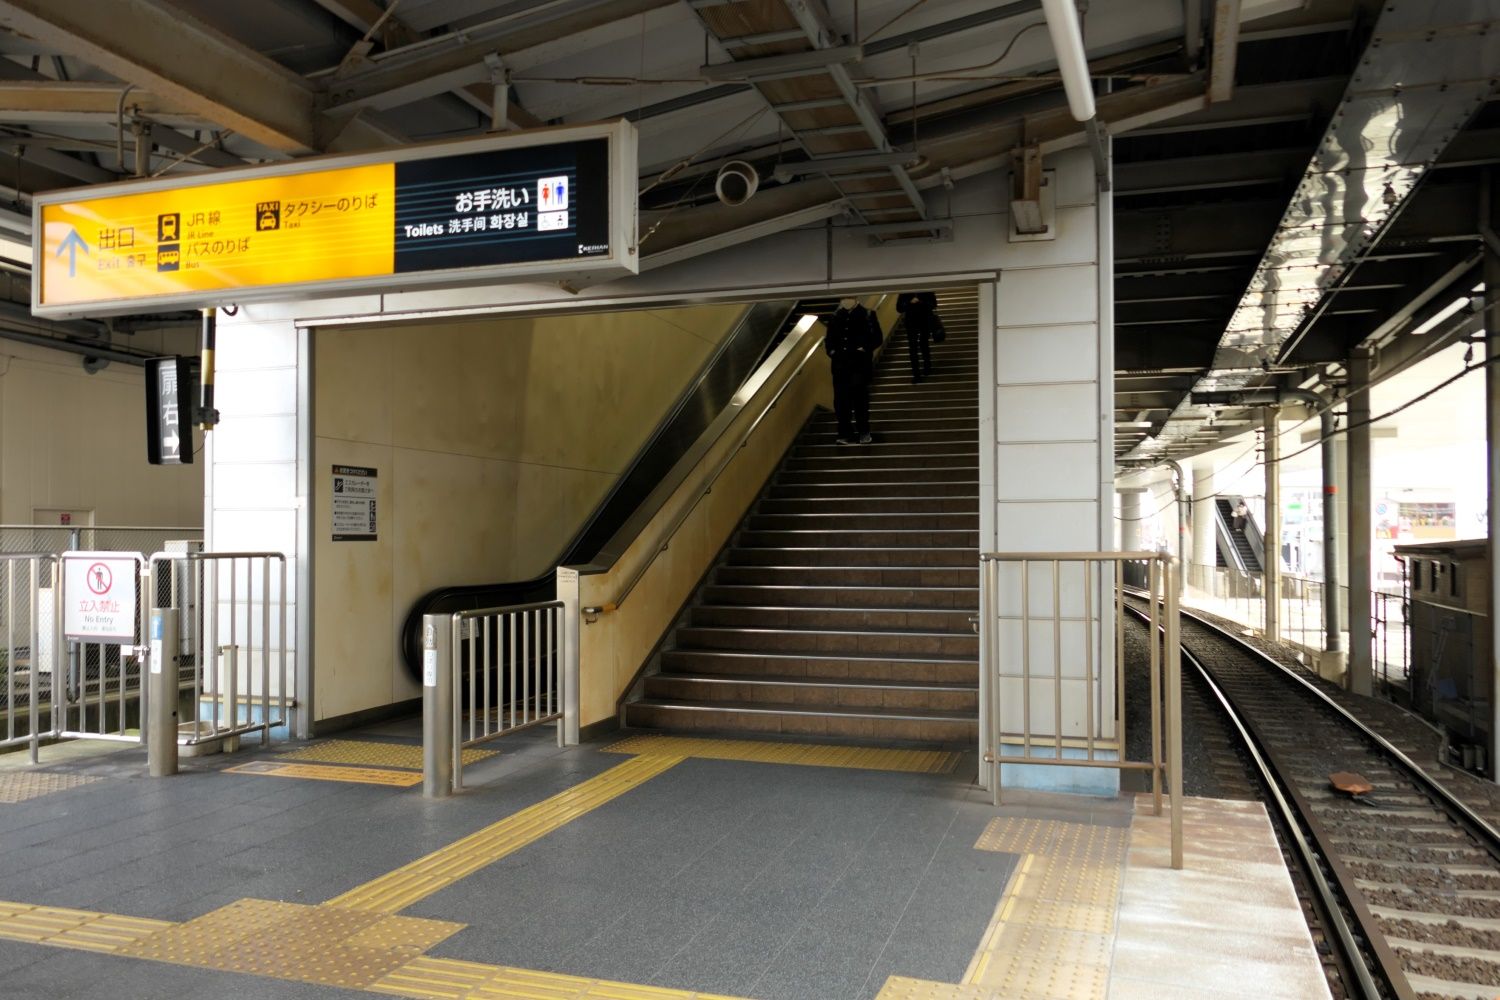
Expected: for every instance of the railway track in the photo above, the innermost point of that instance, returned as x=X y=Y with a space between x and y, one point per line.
x=1405 y=879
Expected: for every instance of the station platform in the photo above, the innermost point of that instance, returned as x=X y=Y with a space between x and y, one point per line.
x=641 y=867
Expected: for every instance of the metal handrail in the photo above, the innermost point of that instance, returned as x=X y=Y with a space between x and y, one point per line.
x=481 y=612
x=706 y=485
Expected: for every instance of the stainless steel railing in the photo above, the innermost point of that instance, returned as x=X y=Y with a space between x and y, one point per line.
x=232 y=637
x=488 y=673
x=29 y=630
x=1053 y=679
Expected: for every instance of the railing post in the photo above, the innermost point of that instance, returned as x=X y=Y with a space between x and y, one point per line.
x=162 y=693
x=437 y=706
x=1174 y=707
x=567 y=593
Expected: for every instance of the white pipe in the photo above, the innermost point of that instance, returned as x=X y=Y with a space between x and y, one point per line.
x=1072 y=61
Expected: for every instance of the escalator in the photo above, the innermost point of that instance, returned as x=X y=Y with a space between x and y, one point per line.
x=760 y=329
x=1238 y=548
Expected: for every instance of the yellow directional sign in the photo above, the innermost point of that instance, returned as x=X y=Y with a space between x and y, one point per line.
x=550 y=203
x=319 y=226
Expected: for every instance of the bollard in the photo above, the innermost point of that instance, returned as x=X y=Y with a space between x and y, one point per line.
x=161 y=696
x=437 y=707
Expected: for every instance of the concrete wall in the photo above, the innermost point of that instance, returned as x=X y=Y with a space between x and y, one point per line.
x=77 y=442
x=493 y=439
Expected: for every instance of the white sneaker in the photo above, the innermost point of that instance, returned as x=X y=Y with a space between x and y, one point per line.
x=865 y=439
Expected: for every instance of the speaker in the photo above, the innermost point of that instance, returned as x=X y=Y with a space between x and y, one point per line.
x=736 y=183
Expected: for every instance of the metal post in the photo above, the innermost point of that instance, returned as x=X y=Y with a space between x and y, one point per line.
x=162 y=693
x=1489 y=224
x=1361 y=654
x=1271 y=565
x=1174 y=708
x=567 y=592
x=1333 y=633
x=437 y=706
x=1184 y=505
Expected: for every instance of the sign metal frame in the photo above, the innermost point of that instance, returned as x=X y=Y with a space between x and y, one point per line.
x=622 y=259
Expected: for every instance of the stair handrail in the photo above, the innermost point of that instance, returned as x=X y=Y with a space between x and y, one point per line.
x=706 y=485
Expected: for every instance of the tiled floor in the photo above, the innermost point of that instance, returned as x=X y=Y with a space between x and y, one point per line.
x=572 y=874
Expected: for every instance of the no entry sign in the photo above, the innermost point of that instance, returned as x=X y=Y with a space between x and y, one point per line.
x=99 y=596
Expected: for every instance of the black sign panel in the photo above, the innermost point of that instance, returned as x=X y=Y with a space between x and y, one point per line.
x=505 y=206
x=171 y=387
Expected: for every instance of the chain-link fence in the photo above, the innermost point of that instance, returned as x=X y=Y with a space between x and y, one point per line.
x=53 y=539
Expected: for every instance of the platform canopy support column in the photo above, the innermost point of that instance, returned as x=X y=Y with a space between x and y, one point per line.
x=1271 y=568
x=1490 y=225
x=1205 y=537
x=1361 y=660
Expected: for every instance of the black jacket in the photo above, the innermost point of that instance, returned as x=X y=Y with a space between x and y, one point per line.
x=853 y=335
x=919 y=308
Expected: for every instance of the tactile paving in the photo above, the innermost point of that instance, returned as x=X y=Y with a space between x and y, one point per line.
x=311 y=944
x=22 y=786
x=451 y=979
x=373 y=754
x=807 y=754
x=1051 y=935
x=67 y=928
x=319 y=772
x=399 y=889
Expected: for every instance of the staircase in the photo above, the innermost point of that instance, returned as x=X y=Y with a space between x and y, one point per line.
x=1242 y=545
x=841 y=607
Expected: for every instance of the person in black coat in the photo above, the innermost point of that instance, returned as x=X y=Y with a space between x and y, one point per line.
x=853 y=336
x=920 y=310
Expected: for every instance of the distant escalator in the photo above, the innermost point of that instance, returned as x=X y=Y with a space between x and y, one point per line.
x=1239 y=547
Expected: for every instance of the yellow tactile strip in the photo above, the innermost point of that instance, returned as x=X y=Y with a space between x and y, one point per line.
x=399 y=889
x=450 y=979
x=808 y=754
x=81 y=929
x=1052 y=932
x=319 y=772
x=23 y=786
x=373 y=754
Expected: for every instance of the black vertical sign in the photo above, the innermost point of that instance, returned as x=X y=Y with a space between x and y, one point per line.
x=170 y=388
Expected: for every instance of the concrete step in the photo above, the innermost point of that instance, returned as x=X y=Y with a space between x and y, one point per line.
x=953 y=621
x=802 y=692
x=828 y=433
x=858 y=538
x=905 y=521
x=884 y=424
x=965 y=599
x=823 y=642
x=969 y=447
x=843 y=458
x=891 y=472
x=795 y=576
x=862 y=723
x=870 y=505
x=827 y=556
x=885 y=488
x=935 y=670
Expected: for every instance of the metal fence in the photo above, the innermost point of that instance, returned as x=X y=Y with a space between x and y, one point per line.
x=28 y=630
x=232 y=639
x=488 y=673
x=53 y=538
x=1052 y=678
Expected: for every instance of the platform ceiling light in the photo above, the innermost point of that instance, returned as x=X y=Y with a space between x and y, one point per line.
x=1072 y=61
x=1462 y=302
x=14 y=251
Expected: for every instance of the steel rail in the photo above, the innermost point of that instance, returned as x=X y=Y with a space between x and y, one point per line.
x=1311 y=843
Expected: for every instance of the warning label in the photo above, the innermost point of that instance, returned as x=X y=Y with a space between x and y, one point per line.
x=354 y=495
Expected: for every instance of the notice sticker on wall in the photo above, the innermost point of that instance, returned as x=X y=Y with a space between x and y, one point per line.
x=354 y=514
x=429 y=668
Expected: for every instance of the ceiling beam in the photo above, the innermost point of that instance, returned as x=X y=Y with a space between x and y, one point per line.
x=53 y=100
x=1225 y=51
x=171 y=54
x=434 y=65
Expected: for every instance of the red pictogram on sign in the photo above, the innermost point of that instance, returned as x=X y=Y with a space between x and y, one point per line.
x=100 y=578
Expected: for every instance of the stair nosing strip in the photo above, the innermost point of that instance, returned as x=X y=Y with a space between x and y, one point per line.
x=834 y=710
x=783 y=654
x=875 y=685
x=829 y=631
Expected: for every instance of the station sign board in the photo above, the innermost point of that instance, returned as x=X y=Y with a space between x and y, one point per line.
x=545 y=204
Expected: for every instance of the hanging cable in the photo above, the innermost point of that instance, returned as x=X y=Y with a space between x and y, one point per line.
x=120 y=128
